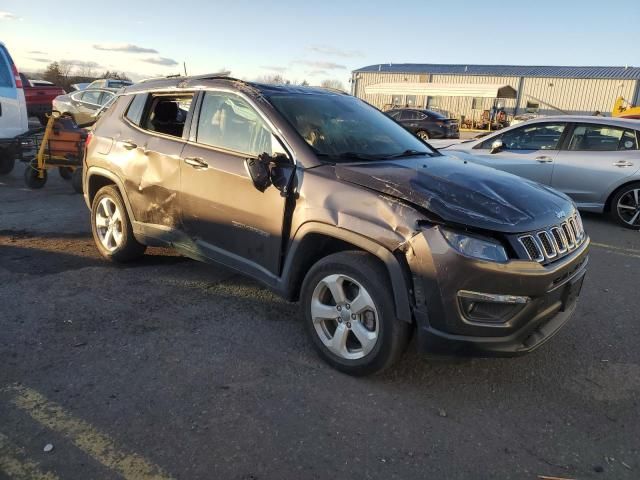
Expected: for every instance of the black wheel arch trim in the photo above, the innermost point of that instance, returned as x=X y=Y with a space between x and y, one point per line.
x=394 y=268
x=102 y=172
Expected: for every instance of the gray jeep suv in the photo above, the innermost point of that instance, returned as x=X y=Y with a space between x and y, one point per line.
x=328 y=201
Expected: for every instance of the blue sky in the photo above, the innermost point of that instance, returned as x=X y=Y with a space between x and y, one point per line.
x=317 y=40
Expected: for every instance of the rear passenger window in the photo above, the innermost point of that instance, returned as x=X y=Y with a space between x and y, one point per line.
x=167 y=114
x=229 y=122
x=598 y=138
x=136 y=107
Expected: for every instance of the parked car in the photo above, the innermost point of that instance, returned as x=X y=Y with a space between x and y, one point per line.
x=325 y=199
x=84 y=104
x=39 y=97
x=13 y=111
x=109 y=83
x=426 y=124
x=594 y=160
x=80 y=86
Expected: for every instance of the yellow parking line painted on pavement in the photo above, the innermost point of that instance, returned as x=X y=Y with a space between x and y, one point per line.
x=629 y=252
x=98 y=445
x=17 y=468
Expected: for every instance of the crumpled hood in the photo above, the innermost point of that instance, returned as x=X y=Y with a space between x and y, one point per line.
x=463 y=192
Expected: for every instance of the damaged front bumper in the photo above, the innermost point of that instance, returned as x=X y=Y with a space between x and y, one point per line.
x=464 y=304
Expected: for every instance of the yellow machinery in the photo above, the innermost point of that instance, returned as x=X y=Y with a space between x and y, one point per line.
x=61 y=146
x=624 y=109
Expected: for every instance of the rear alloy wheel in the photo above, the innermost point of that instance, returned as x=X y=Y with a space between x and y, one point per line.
x=111 y=227
x=422 y=135
x=626 y=207
x=350 y=316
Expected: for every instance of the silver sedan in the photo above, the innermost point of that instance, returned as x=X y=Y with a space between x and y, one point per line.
x=594 y=160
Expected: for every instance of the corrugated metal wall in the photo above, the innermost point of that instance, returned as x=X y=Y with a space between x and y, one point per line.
x=575 y=96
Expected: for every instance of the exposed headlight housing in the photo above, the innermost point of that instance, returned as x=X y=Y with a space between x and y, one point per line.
x=476 y=247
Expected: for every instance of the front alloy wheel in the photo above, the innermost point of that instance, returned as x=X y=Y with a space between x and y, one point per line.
x=626 y=207
x=344 y=316
x=350 y=315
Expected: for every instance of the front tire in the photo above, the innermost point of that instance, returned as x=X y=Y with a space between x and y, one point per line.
x=111 y=227
x=349 y=314
x=625 y=206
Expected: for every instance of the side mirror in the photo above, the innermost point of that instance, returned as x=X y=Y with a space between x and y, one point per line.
x=497 y=146
x=267 y=170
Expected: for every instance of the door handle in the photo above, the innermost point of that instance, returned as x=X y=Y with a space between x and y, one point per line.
x=129 y=145
x=623 y=163
x=544 y=159
x=196 y=162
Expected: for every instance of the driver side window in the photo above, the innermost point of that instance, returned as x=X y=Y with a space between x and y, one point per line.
x=531 y=137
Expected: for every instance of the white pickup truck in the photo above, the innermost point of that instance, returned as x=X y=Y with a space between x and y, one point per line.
x=13 y=110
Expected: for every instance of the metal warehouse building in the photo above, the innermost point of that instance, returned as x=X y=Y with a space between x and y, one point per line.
x=466 y=90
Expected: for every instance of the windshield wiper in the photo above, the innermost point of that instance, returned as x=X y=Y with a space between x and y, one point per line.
x=408 y=153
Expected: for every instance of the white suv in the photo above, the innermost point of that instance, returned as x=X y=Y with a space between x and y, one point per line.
x=13 y=110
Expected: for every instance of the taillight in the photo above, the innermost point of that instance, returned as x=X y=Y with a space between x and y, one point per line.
x=16 y=75
x=88 y=139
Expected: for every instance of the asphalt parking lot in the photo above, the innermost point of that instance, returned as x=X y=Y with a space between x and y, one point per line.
x=173 y=369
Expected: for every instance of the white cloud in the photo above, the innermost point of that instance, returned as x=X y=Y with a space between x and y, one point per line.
x=274 y=69
x=123 y=47
x=9 y=16
x=336 y=52
x=320 y=65
x=167 y=62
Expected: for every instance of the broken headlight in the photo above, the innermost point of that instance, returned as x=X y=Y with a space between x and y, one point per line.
x=476 y=247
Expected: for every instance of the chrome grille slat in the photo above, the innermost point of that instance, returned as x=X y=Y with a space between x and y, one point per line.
x=554 y=242
x=547 y=244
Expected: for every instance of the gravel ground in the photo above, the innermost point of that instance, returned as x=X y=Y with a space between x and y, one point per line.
x=171 y=368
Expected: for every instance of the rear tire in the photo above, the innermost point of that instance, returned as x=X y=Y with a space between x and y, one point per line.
x=111 y=227
x=7 y=162
x=76 y=180
x=364 y=337
x=625 y=206
x=422 y=135
x=32 y=177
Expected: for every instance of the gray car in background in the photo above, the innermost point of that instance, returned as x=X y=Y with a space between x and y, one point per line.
x=83 y=105
x=594 y=160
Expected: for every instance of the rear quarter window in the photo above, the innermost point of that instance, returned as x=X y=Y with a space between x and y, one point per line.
x=136 y=108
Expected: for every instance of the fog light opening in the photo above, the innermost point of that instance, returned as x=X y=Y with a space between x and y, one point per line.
x=490 y=308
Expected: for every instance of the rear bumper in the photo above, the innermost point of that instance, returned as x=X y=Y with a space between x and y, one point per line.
x=443 y=327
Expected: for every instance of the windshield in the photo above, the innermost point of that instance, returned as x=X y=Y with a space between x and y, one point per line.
x=342 y=128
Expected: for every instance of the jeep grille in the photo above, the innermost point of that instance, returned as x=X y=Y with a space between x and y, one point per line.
x=554 y=242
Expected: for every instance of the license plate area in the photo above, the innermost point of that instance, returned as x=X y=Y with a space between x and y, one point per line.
x=571 y=292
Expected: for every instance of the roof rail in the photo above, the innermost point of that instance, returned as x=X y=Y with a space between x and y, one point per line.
x=206 y=76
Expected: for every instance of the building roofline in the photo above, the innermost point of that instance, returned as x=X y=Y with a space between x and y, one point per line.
x=540 y=71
